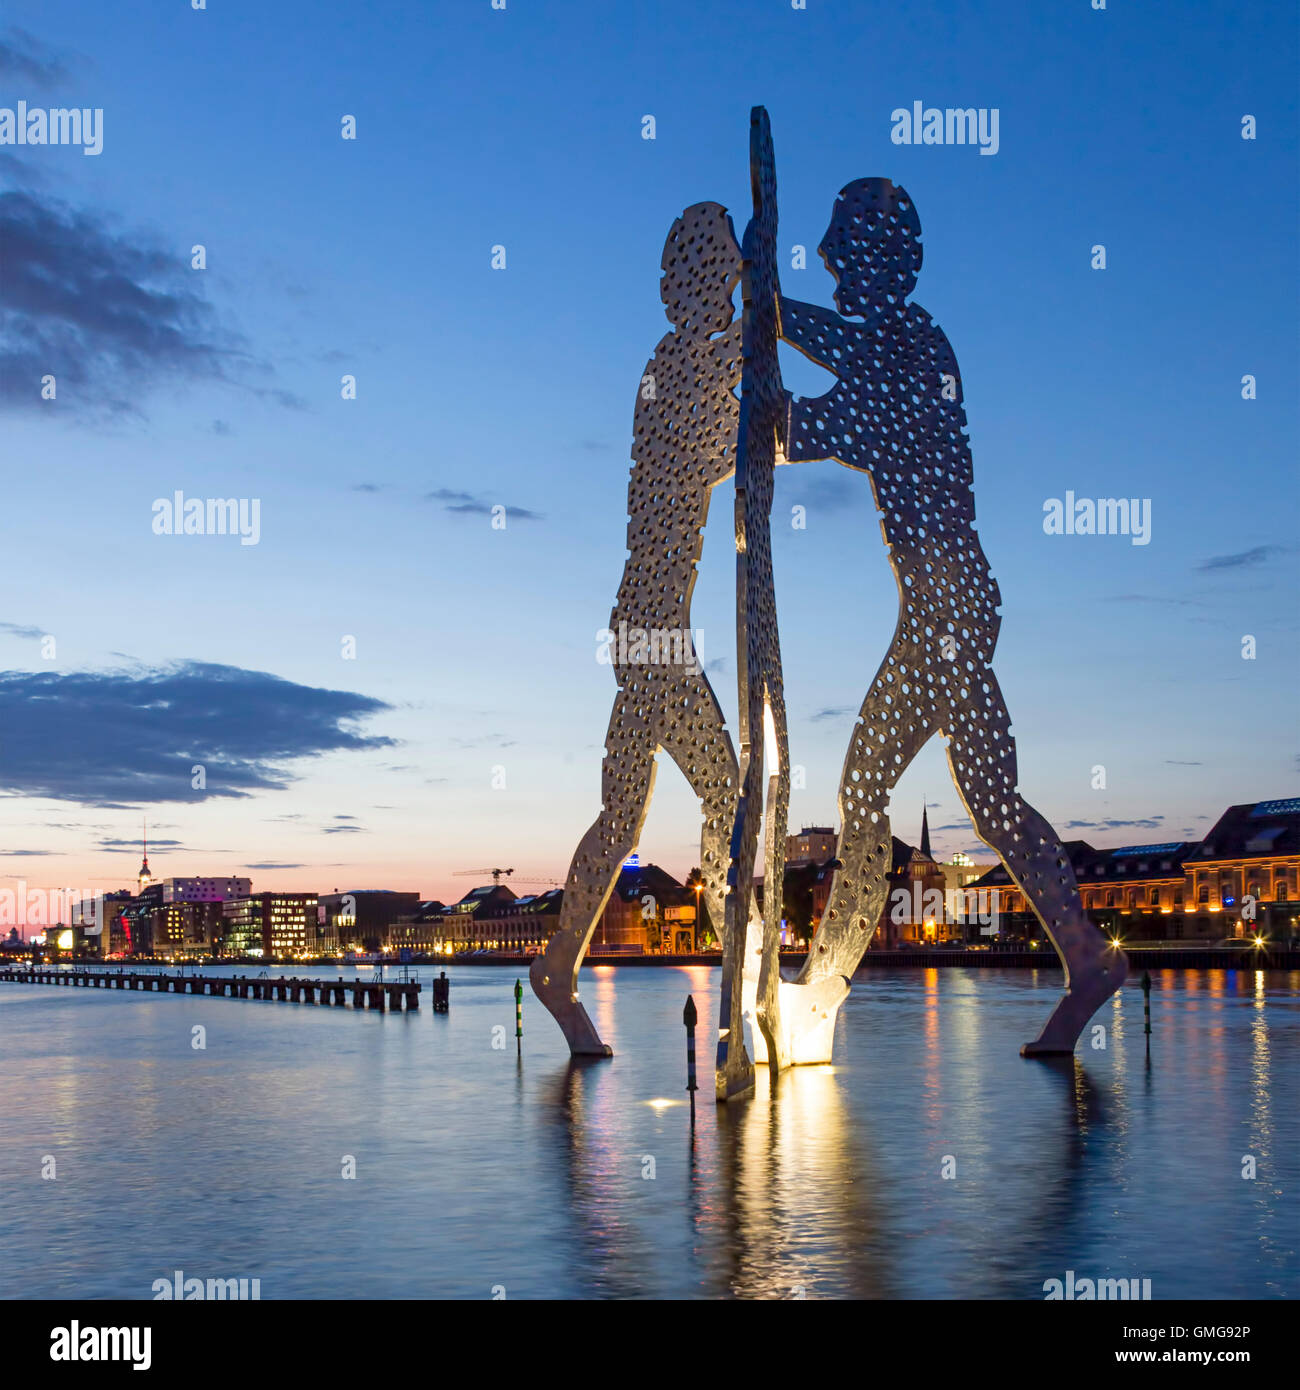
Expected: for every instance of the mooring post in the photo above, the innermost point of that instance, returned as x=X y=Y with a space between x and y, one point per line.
x=519 y=1017
x=1146 y=1007
x=689 y=1017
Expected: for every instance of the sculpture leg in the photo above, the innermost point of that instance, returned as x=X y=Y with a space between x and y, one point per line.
x=982 y=756
x=627 y=784
x=697 y=740
x=733 y=1070
x=771 y=1038
x=890 y=732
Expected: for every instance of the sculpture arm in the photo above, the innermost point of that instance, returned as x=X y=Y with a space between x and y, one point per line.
x=814 y=331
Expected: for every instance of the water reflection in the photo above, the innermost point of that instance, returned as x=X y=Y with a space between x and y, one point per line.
x=796 y=1195
x=561 y=1179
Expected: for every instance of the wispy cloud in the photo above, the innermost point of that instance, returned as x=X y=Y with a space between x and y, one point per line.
x=468 y=504
x=112 y=845
x=1155 y=598
x=1151 y=823
x=24 y=58
x=1243 y=559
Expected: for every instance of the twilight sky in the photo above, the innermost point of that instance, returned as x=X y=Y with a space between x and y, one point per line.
x=477 y=387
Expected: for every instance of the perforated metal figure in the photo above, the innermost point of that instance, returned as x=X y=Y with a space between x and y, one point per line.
x=764 y=753
x=685 y=429
x=896 y=414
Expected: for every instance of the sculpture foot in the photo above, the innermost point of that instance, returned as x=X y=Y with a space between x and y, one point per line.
x=733 y=1076
x=565 y=1008
x=771 y=1038
x=808 y=1014
x=1091 y=984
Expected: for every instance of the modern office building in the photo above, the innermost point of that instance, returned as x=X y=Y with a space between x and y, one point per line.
x=205 y=890
x=281 y=925
x=193 y=928
x=360 y=919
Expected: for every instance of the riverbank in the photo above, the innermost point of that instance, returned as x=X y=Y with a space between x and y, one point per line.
x=1140 y=958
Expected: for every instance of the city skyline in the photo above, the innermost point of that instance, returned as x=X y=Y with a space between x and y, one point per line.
x=468 y=717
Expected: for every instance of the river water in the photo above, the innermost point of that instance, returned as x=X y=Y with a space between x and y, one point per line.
x=481 y=1173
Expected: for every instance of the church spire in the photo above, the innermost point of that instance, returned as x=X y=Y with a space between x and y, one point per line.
x=925 y=833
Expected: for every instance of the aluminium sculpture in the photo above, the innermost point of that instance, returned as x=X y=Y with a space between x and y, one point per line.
x=895 y=413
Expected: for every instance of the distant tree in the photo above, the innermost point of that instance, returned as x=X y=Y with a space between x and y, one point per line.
x=797 y=899
x=705 y=932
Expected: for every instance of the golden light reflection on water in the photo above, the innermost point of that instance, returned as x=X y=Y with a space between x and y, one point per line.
x=1261 y=1127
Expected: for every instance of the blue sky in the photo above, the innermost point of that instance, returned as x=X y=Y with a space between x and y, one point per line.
x=475 y=648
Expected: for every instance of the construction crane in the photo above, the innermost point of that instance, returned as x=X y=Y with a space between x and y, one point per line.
x=498 y=873
x=478 y=873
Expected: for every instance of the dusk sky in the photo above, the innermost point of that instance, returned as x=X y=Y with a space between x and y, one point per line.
x=475 y=649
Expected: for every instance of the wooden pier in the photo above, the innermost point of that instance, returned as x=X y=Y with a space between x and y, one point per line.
x=374 y=994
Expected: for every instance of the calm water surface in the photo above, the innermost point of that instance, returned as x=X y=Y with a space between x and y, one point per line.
x=476 y=1169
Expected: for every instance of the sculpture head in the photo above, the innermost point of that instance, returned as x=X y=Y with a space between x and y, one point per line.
x=872 y=248
x=701 y=264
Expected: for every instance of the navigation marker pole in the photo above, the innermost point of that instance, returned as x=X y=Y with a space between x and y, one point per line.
x=689 y=1018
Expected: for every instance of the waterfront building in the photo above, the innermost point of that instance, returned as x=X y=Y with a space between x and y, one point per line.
x=269 y=924
x=361 y=919
x=918 y=902
x=527 y=924
x=913 y=914
x=961 y=870
x=814 y=844
x=1237 y=883
x=130 y=927
x=92 y=912
x=205 y=890
x=648 y=912
x=187 y=928
x=469 y=925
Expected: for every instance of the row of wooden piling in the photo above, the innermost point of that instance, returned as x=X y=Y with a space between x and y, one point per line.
x=373 y=994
